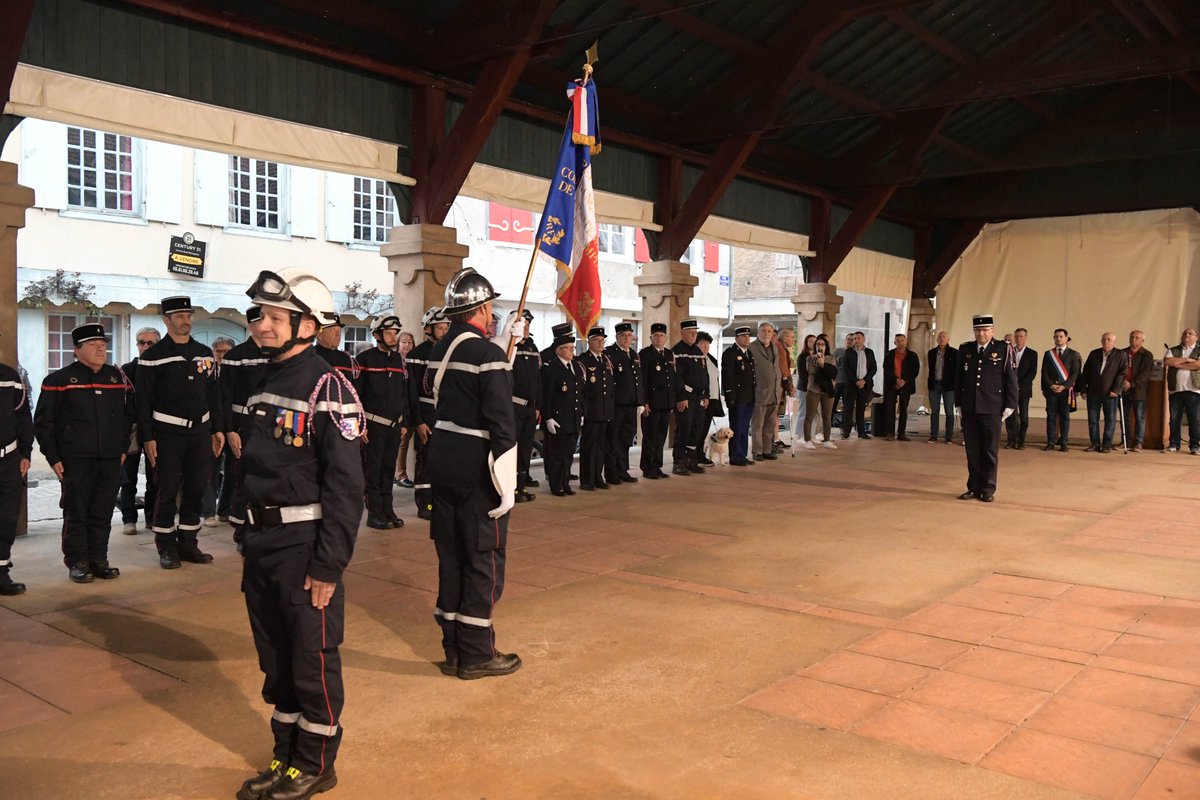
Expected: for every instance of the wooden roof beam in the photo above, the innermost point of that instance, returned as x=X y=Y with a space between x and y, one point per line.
x=829 y=258
x=17 y=14
x=933 y=262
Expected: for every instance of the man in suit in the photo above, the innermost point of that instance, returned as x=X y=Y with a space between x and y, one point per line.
x=1018 y=424
x=1103 y=374
x=1060 y=369
x=737 y=382
x=658 y=376
x=899 y=383
x=766 y=392
x=986 y=387
x=860 y=371
x=1138 y=365
x=943 y=361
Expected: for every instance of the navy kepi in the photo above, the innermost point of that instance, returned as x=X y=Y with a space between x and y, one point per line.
x=658 y=327
x=594 y=332
x=179 y=302
x=742 y=330
x=624 y=327
x=982 y=321
x=87 y=333
x=688 y=324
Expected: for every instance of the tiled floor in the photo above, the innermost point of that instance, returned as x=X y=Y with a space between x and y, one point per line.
x=1087 y=709
x=1162 y=527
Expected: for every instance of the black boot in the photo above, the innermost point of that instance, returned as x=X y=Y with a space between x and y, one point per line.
x=189 y=551
x=80 y=573
x=377 y=522
x=394 y=521
x=103 y=571
x=263 y=782
x=168 y=550
x=502 y=664
x=297 y=785
x=693 y=465
x=8 y=586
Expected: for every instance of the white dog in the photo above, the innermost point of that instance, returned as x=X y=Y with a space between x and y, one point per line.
x=718 y=446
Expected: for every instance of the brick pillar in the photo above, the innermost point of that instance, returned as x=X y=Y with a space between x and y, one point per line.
x=920 y=339
x=817 y=307
x=15 y=200
x=666 y=288
x=422 y=259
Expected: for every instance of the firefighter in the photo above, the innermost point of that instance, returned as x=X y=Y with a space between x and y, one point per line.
x=383 y=391
x=421 y=410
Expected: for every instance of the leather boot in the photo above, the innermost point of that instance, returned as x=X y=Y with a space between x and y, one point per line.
x=502 y=664
x=168 y=550
x=693 y=465
x=449 y=666
x=80 y=573
x=297 y=785
x=8 y=586
x=189 y=551
x=260 y=784
x=103 y=571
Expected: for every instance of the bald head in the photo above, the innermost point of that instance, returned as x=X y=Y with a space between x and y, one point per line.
x=1108 y=341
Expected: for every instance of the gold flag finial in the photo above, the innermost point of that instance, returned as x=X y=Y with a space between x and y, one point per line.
x=593 y=55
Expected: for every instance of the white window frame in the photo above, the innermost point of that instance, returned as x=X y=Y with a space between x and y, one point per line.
x=249 y=167
x=351 y=343
x=624 y=249
x=64 y=347
x=369 y=194
x=99 y=150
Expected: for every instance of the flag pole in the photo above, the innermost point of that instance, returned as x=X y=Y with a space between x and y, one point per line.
x=592 y=57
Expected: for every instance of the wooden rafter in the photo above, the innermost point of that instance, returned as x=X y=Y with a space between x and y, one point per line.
x=17 y=14
x=937 y=254
x=864 y=214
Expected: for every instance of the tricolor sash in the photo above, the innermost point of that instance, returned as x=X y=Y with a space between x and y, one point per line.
x=1063 y=374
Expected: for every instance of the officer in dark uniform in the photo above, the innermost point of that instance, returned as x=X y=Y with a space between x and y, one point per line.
x=561 y=329
x=179 y=421
x=562 y=409
x=303 y=485
x=16 y=447
x=737 y=382
x=691 y=401
x=243 y=370
x=527 y=394
x=658 y=377
x=383 y=391
x=985 y=386
x=628 y=399
x=329 y=347
x=422 y=414
x=127 y=499
x=84 y=418
x=473 y=468
x=597 y=411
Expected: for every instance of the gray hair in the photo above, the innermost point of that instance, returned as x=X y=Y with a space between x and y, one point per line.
x=157 y=335
x=223 y=340
x=765 y=324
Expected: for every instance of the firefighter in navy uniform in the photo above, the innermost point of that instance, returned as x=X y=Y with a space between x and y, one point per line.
x=179 y=421
x=556 y=331
x=83 y=421
x=691 y=400
x=383 y=390
x=737 y=382
x=527 y=391
x=562 y=411
x=242 y=371
x=659 y=380
x=628 y=399
x=329 y=347
x=473 y=468
x=303 y=485
x=422 y=415
x=985 y=387
x=16 y=447
x=597 y=411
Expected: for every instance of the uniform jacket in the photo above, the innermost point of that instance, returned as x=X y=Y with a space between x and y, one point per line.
x=910 y=368
x=562 y=394
x=1050 y=377
x=737 y=377
x=715 y=406
x=421 y=410
x=598 y=405
x=659 y=380
x=1093 y=381
x=383 y=385
x=766 y=372
x=690 y=370
x=341 y=361
x=527 y=375
x=84 y=414
x=851 y=363
x=178 y=380
x=325 y=469
x=242 y=371
x=628 y=389
x=949 y=367
x=986 y=382
x=16 y=420
x=1027 y=367
x=475 y=415
x=1143 y=363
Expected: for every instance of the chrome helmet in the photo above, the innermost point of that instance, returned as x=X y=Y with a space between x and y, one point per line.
x=466 y=291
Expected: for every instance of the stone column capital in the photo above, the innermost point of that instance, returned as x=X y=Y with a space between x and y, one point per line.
x=416 y=251
x=814 y=301
x=920 y=315
x=666 y=289
x=15 y=199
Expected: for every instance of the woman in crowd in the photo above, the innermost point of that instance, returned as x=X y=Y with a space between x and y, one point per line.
x=798 y=416
x=821 y=370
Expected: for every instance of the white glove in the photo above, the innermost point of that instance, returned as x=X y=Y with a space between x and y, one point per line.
x=506 y=503
x=1008 y=412
x=510 y=333
x=552 y=426
x=504 y=478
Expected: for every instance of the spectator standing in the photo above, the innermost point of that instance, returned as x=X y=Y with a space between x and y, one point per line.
x=799 y=429
x=127 y=499
x=1138 y=365
x=1060 y=369
x=405 y=344
x=1018 y=424
x=821 y=371
x=1183 y=384
x=1103 y=373
x=766 y=392
x=839 y=355
x=860 y=370
x=784 y=341
x=943 y=361
x=899 y=383
x=715 y=408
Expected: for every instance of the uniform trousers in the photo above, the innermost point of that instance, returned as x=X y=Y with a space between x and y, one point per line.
x=621 y=433
x=654 y=438
x=12 y=487
x=687 y=423
x=218 y=497
x=591 y=452
x=128 y=495
x=739 y=421
x=298 y=655
x=182 y=469
x=471 y=549
x=560 y=453
x=89 y=491
x=379 y=467
x=762 y=427
x=981 y=435
x=422 y=491
x=526 y=418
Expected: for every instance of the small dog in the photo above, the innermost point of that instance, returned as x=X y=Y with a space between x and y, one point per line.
x=718 y=446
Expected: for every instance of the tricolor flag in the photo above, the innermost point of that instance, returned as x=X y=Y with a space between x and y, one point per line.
x=569 y=237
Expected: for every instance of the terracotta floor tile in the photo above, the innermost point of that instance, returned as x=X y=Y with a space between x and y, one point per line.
x=956 y=622
x=912 y=648
x=695 y=538
x=516 y=589
x=1164 y=652
x=1002 y=702
x=546 y=575
x=825 y=704
x=1099 y=596
x=1122 y=728
x=638 y=577
x=1041 y=650
x=1019 y=669
x=1178 y=620
x=1170 y=781
x=22 y=708
x=1166 y=673
x=1113 y=618
x=868 y=673
x=991 y=600
x=927 y=729
x=784 y=603
x=1134 y=691
x=857 y=617
x=1185 y=748
x=1034 y=587
x=1059 y=634
x=656 y=548
x=1078 y=766
x=601 y=561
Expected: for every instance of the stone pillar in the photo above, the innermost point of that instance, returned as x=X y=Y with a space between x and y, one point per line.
x=666 y=288
x=423 y=259
x=817 y=307
x=15 y=200
x=920 y=340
